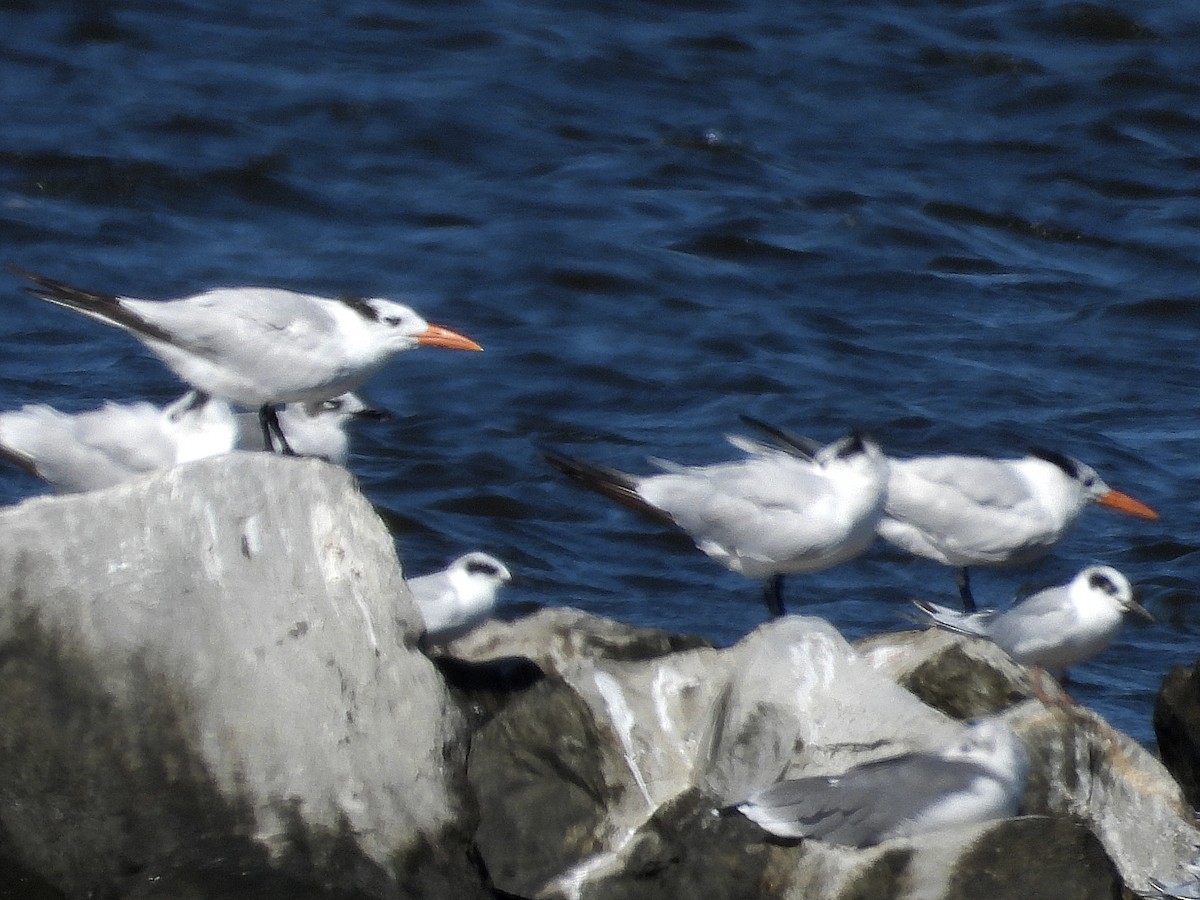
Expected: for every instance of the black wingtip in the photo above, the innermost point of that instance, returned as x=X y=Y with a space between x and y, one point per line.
x=803 y=447
x=587 y=473
x=612 y=483
x=52 y=289
x=106 y=307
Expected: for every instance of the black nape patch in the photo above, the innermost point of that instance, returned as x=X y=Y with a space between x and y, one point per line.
x=1065 y=463
x=360 y=306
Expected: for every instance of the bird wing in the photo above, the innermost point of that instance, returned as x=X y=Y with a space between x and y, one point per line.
x=241 y=324
x=862 y=806
x=769 y=508
x=1035 y=626
x=960 y=509
x=612 y=483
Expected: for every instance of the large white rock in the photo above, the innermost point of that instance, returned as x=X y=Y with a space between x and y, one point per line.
x=217 y=656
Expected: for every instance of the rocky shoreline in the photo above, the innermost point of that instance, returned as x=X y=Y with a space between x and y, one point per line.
x=213 y=689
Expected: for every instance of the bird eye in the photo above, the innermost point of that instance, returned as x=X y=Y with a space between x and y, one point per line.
x=481 y=568
x=391 y=320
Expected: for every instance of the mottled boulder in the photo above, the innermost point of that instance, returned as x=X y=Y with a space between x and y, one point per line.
x=490 y=665
x=1177 y=728
x=685 y=851
x=1081 y=767
x=208 y=676
x=964 y=677
x=557 y=638
x=608 y=747
x=631 y=766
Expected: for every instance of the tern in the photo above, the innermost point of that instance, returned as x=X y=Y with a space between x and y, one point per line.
x=259 y=347
x=966 y=511
x=1056 y=628
x=459 y=597
x=315 y=429
x=978 y=779
x=105 y=446
x=773 y=513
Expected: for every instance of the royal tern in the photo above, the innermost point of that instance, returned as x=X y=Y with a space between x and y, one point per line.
x=1055 y=628
x=978 y=779
x=456 y=599
x=262 y=346
x=312 y=429
x=966 y=511
x=770 y=514
x=105 y=446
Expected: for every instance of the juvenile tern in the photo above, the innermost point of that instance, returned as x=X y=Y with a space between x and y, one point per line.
x=966 y=511
x=262 y=346
x=456 y=599
x=105 y=446
x=978 y=779
x=773 y=513
x=1055 y=628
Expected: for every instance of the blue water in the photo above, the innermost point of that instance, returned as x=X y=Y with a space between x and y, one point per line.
x=964 y=227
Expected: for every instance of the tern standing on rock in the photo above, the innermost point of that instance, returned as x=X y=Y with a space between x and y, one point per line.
x=313 y=429
x=1056 y=628
x=262 y=346
x=966 y=511
x=978 y=779
x=774 y=513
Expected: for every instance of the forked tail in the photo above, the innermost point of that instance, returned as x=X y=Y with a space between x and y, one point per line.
x=972 y=623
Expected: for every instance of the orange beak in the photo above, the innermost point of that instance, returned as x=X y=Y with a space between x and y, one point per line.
x=437 y=336
x=1126 y=504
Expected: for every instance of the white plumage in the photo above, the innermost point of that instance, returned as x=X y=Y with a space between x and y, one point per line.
x=459 y=597
x=262 y=346
x=105 y=446
x=772 y=513
x=1056 y=628
x=965 y=511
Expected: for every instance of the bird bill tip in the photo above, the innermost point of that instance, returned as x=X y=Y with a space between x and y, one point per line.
x=438 y=336
x=1126 y=504
x=1137 y=609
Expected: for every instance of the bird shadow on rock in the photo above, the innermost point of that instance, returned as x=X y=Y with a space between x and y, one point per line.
x=483 y=688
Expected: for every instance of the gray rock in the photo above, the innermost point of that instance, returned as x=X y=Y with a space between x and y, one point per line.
x=614 y=742
x=1177 y=728
x=210 y=671
x=557 y=638
x=1083 y=768
x=1080 y=766
x=685 y=852
x=627 y=763
x=964 y=677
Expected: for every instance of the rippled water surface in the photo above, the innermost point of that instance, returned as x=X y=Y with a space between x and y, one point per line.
x=967 y=227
